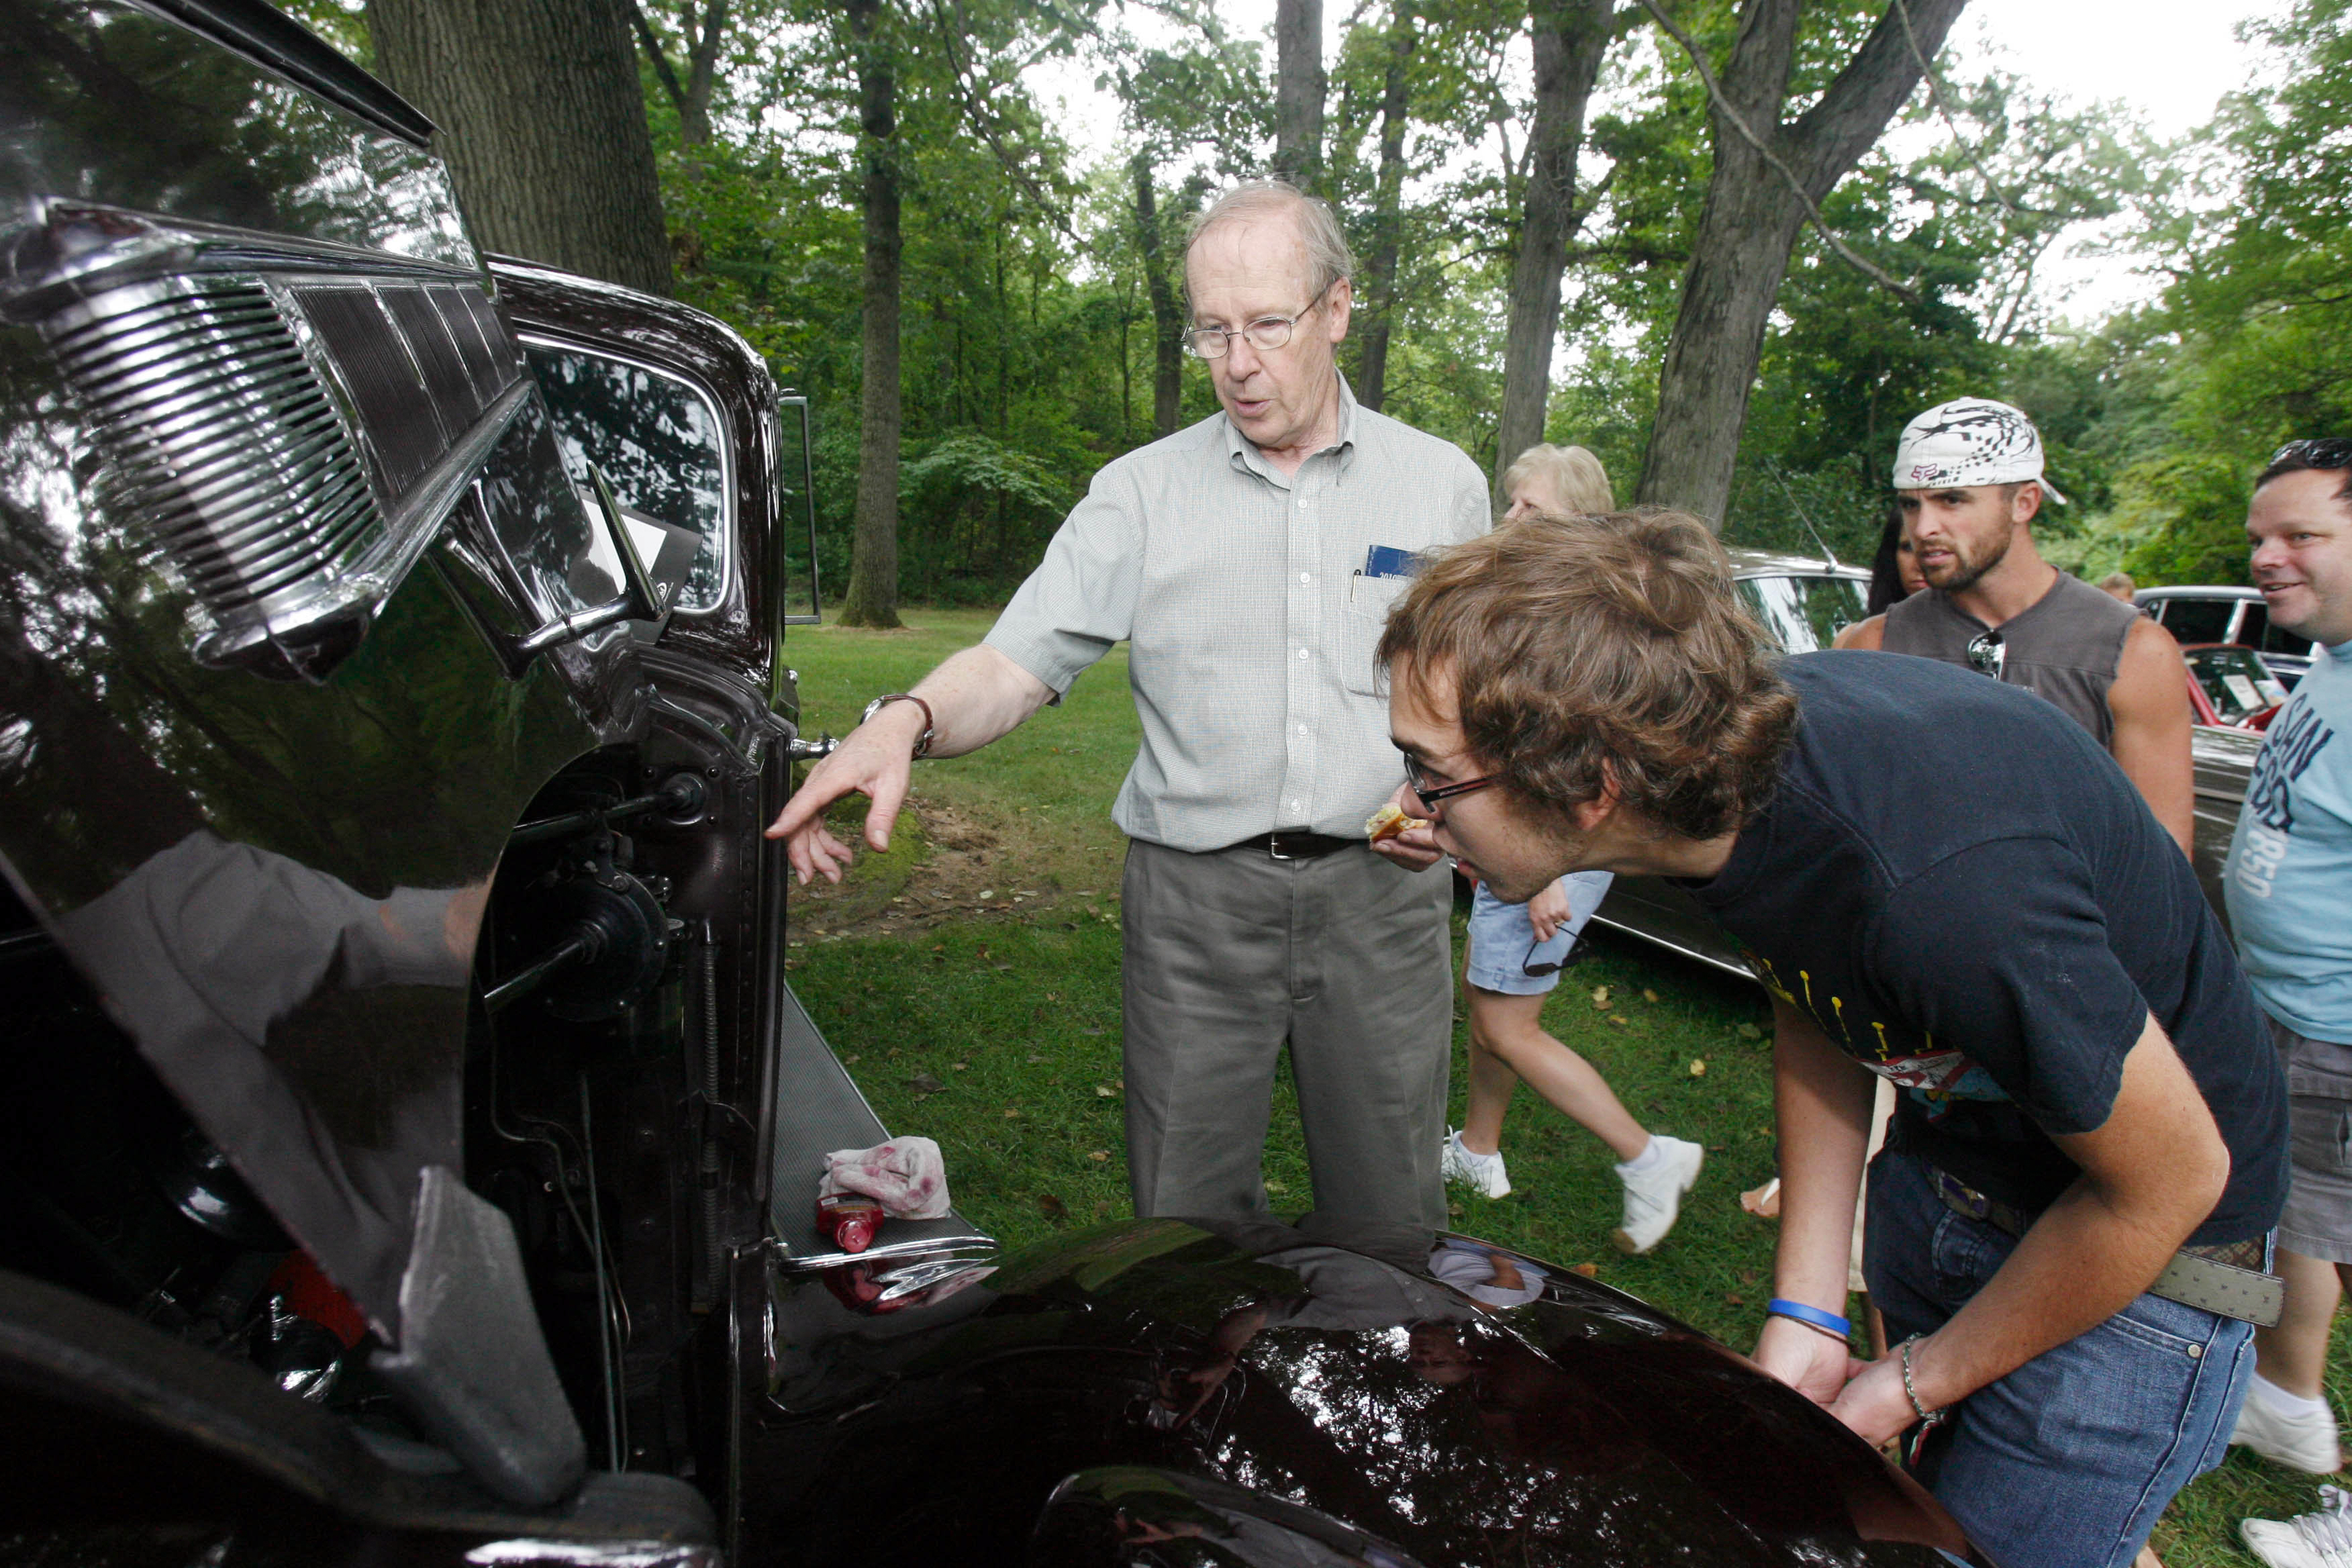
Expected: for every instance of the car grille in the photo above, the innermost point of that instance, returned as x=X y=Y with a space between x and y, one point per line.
x=287 y=441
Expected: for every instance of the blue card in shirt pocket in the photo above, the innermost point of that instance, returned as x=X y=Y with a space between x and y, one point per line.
x=1388 y=561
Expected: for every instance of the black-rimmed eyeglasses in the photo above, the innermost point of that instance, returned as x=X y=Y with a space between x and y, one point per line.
x=1429 y=795
x=1988 y=654
x=1265 y=333
x=1529 y=967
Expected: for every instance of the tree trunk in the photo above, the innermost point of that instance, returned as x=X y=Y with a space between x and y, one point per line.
x=1741 y=251
x=1298 y=93
x=1167 y=315
x=872 y=599
x=1570 y=36
x=691 y=97
x=542 y=125
x=1381 y=267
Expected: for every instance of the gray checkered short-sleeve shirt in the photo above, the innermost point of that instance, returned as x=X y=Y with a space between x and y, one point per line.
x=1242 y=591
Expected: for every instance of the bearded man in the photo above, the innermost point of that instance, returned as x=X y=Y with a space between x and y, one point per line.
x=1969 y=482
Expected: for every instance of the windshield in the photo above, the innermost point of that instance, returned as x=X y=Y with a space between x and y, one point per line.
x=1802 y=614
x=2235 y=681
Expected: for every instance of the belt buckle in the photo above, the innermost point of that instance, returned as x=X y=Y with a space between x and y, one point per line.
x=1970 y=1202
x=1273 y=846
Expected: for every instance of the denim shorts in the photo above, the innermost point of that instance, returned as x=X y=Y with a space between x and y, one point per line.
x=1503 y=944
x=2318 y=1218
x=2068 y=1461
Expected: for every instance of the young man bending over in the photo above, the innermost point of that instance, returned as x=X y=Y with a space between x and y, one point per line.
x=1948 y=882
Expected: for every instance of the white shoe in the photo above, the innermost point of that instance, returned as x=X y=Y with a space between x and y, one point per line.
x=1482 y=1173
x=2322 y=1539
x=2304 y=1442
x=1654 y=1197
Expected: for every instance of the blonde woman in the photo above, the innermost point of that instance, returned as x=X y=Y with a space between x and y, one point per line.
x=1512 y=961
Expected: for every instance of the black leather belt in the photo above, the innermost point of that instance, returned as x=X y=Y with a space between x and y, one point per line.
x=1296 y=844
x=2228 y=1280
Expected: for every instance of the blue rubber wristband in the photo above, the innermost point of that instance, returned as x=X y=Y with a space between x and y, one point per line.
x=1811 y=1317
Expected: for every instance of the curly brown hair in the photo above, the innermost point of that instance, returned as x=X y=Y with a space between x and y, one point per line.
x=1593 y=655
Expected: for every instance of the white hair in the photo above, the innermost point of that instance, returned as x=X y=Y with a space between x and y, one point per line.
x=1327 y=255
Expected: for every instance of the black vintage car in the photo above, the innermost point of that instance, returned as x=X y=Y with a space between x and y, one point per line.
x=409 y=1140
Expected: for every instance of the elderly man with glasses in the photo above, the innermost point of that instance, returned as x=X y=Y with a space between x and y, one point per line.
x=1249 y=562
x=1969 y=482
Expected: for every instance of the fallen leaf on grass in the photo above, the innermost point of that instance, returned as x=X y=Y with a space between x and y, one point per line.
x=1104 y=1091
x=1698 y=1069
x=1102 y=1207
x=849 y=1058
x=1751 y=1032
x=1010 y=1113
x=987 y=893
x=1052 y=1207
x=1601 y=996
x=957 y=1067
x=1034 y=1058
x=1648 y=994
x=1099 y=1156
x=1618 y=1018
x=1276 y=1187
x=924 y=1083
x=1749 y=1277
x=1589 y=1271
x=1733 y=1299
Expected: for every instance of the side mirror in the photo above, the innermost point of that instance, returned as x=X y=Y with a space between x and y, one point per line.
x=638 y=599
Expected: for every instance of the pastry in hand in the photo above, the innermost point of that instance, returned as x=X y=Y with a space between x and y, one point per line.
x=1389 y=821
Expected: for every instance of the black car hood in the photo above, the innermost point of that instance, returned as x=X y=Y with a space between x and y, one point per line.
x=1234 y=1392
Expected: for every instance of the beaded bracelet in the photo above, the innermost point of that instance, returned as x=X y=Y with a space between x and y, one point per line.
x=1811 y=1317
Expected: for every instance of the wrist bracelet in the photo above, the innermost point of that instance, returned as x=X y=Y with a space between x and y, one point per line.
x=1811 y=1317
x=922 y=741
x=1926 y=1417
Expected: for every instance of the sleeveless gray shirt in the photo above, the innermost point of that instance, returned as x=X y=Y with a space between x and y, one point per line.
x=2065 y=646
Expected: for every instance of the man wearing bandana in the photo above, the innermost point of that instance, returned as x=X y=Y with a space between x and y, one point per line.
x=1969 y=481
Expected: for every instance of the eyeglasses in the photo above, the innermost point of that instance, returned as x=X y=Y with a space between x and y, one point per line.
x=1265 y=333
x=1430 y=794
x=1988 y=654
x=2317 y=452
x=1528 y=967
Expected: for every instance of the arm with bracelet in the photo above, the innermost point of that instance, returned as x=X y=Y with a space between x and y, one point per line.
x=1824 y=1101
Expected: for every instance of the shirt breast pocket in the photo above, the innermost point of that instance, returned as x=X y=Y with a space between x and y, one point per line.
x=1369 y=600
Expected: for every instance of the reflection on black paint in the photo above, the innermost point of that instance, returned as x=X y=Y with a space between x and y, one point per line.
x=657 y=442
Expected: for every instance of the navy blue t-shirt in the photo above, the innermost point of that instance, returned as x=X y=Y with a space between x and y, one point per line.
x=1960 y=885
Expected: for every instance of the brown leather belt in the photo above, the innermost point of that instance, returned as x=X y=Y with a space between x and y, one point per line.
x=2229 y=1279
x=1296 y=844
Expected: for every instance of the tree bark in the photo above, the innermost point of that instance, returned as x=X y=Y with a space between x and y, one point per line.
x=1167 y=315
x=1739 y=253
x=542 y=123
x=872 y=598
x=1381 y=267
x=1570 y=37
x=1300 y=90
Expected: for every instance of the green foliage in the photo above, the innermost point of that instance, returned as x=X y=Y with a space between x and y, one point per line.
x=2186 y=515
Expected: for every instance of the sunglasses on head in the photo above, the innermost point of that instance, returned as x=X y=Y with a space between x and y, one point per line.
x=2317 y=452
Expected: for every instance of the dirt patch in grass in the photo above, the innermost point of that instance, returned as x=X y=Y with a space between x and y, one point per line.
x=944 y=863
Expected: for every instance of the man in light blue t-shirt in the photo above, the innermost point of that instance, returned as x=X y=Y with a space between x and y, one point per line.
x=2289 y=884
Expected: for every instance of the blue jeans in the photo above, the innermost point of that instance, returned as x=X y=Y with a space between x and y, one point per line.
x=2069 y=1460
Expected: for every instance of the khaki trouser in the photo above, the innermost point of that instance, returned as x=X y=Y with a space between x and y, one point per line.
x=1231 y=955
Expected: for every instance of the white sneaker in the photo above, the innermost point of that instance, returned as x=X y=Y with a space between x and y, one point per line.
x=1654 y=1197
x=2322 y=1539
x=2304 y=1442
x=1482 y=1173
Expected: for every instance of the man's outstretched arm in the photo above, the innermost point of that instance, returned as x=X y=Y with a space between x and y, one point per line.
x=976 y=696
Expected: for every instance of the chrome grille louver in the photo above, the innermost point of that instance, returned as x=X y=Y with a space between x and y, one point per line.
x=290 y=432
x=221 y=436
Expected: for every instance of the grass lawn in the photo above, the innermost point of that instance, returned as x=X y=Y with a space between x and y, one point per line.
x=970 y=979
